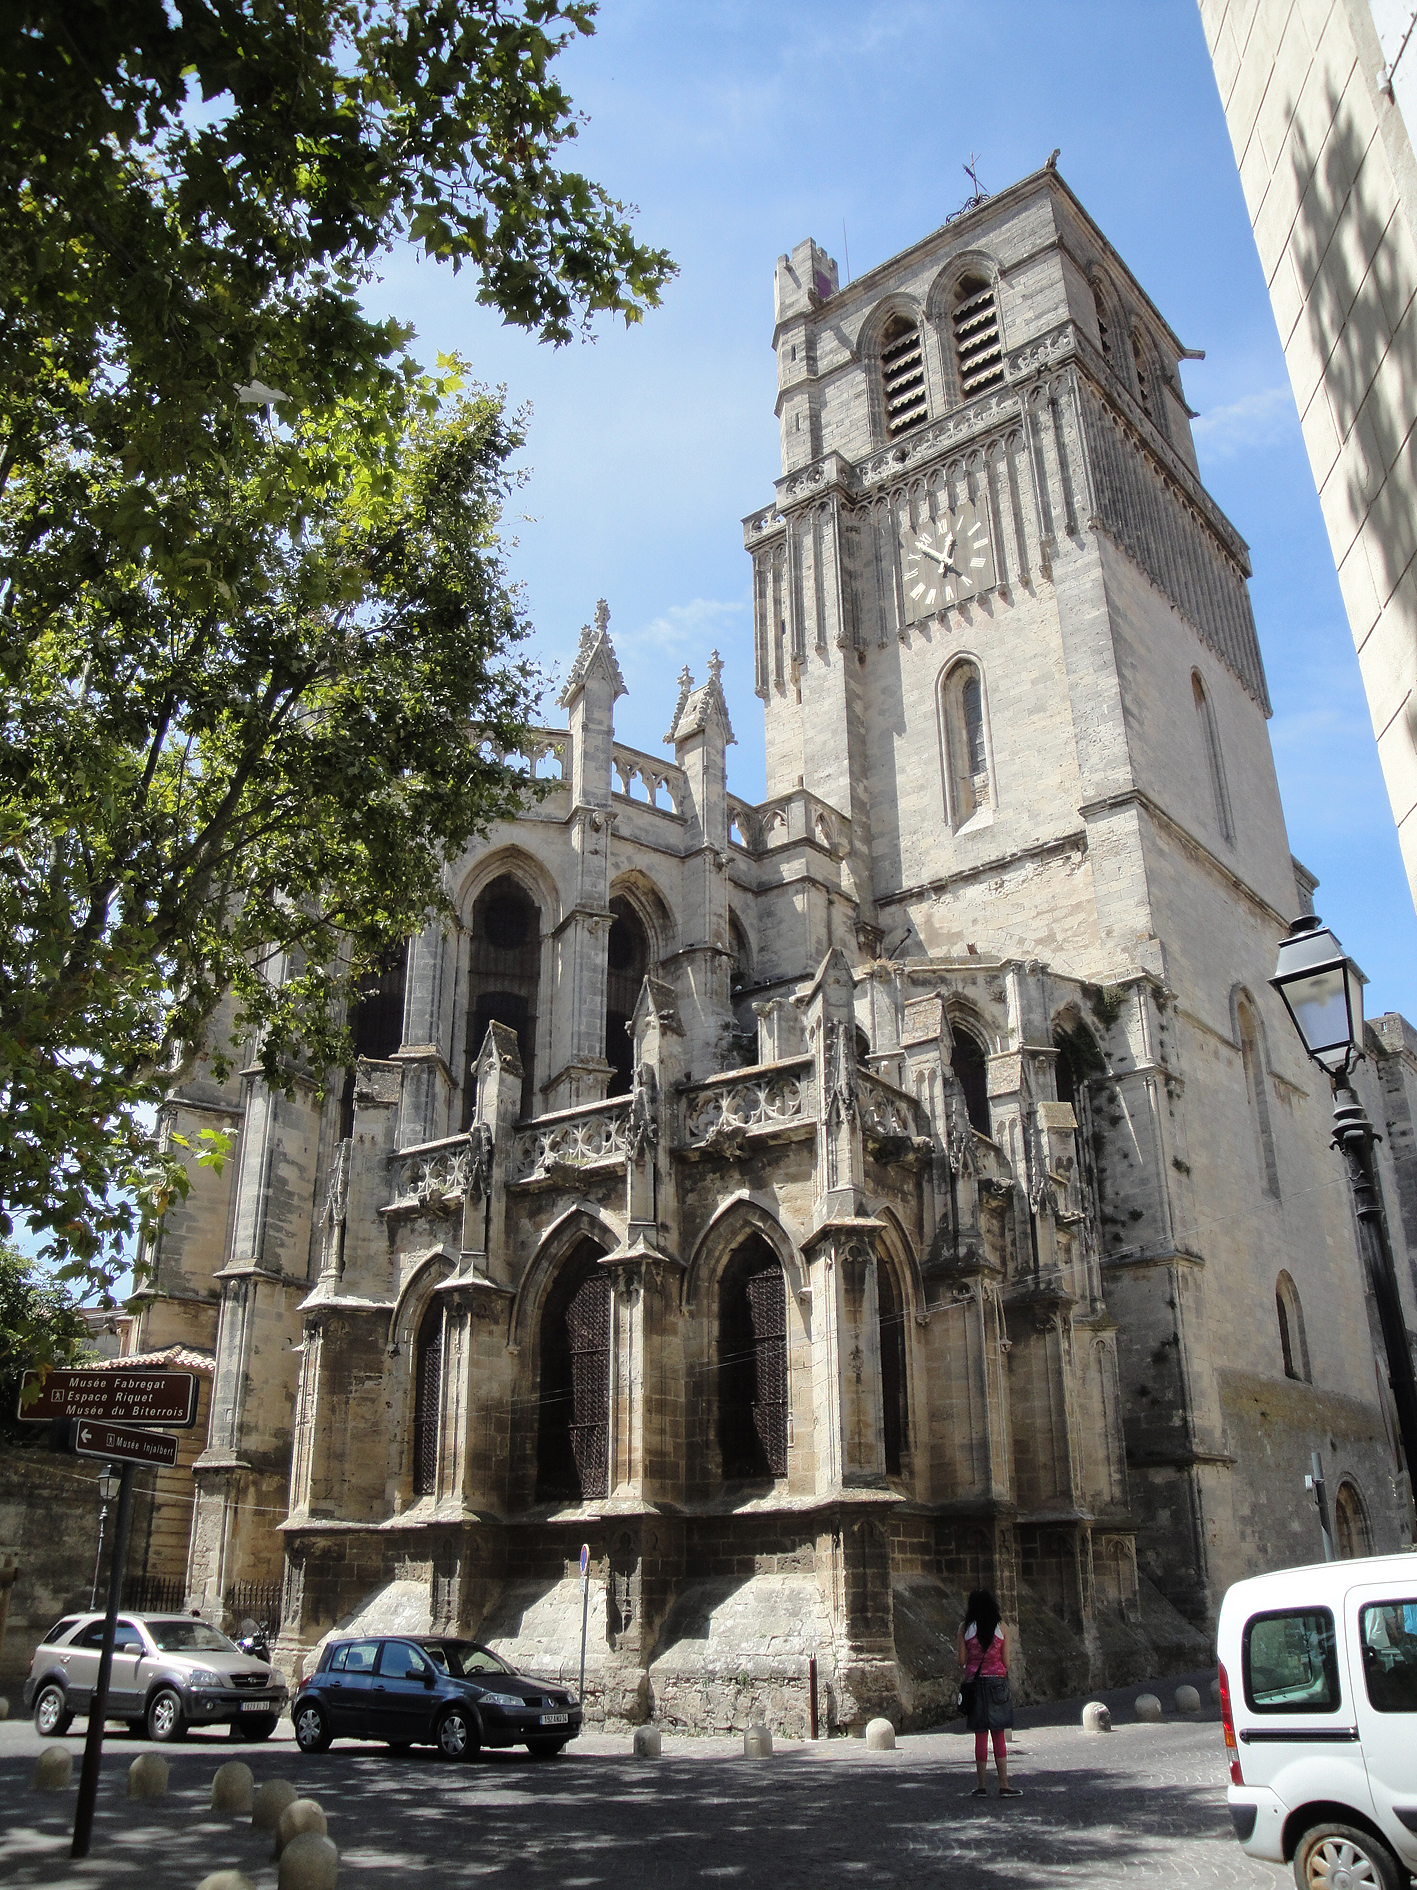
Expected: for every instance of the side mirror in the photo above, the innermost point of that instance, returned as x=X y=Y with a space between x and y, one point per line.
x=428 y=1679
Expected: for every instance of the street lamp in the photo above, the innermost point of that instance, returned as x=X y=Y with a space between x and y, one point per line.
x=109 y=1481
x=1322 y=990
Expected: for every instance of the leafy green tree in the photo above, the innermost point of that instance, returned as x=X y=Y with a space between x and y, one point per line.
x=257 y=646
x=39 y=1325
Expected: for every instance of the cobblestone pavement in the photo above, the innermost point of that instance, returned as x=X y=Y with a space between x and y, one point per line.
x=1143 y=1806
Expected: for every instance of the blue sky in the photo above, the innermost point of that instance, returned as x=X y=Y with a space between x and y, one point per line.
x=739 y=129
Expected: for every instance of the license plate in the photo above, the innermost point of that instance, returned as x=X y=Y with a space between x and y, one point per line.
x=255 y=1706
x=555 y=1719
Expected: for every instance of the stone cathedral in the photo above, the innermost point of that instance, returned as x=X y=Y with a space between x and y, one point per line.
x=907 y=1183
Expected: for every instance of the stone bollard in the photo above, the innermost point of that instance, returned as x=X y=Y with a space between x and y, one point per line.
x=880 y=1736
x=1096 y=1717
x=53 y=1770
x=232 y=1787
x=4 y=1707
x=226 y=1880
x=309 y=1862
x=1187 y=1700
x=304 y=1815
x=270 y=1801
x=147 y=1776
x=1215 y=1692
x=1146 y=1706
x=647 y=1742
x=757 y=1743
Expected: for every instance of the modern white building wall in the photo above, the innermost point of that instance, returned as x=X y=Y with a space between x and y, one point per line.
x=1319 y=96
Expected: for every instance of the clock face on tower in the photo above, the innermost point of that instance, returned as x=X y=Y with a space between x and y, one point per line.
x=944 y=561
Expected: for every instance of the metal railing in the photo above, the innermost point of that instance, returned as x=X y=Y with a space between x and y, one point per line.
x=255 y=1601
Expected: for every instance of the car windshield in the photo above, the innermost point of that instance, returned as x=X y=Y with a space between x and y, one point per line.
x=188 y=1637
x=463 y=1659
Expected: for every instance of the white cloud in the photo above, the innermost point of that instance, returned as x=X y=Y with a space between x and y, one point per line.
x=1262 y=419
x=687 y=631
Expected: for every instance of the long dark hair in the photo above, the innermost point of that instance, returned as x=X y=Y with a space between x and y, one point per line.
x=983 y=1611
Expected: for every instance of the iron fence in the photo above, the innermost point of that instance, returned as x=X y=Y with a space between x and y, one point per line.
x=255 y=1601
x=154 y=1594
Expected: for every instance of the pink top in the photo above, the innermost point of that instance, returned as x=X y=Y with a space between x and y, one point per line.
x=993 y=1663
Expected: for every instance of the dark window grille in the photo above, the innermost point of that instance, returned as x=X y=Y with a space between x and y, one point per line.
x=971 y=1067
x=427 y=1401
x=375 y=1023
x=903 y=376
x=752 y=1364
x=574 y=1434
x=894 y=1413
x=1103 y=332
x=978 y=349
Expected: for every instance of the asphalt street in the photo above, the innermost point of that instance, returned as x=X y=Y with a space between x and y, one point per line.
x=1141 y=1806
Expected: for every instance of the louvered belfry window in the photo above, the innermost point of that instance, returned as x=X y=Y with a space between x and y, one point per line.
x=427 y=1401
x=903 y=376
x=752 y=1364
x=978 y=349
x=574 y=1435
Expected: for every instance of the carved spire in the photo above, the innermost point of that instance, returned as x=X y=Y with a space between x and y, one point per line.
x=595 y=647
x=696 y=706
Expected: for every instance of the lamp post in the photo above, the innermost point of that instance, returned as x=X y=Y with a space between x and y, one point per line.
x=108 y=1481
x=1322 y=991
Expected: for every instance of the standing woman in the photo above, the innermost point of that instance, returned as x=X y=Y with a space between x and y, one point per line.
x=984 y=1660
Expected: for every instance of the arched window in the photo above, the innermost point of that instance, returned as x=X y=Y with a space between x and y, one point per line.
x=375 y=1022
x=1104 y=331
x=967 y=784
x=1215 y=764
x=902 y=376
x=504 y=973
x=574 y=1434
x=1350 y=1522
x=971 y=1067
x=627 y=961
x=741 y=964
x=427 y=1400
x=890 y=1314
x=1292 y=1339
x=1078 y=1059
x=1257 y=1090
x=1149 y=390
x=752 y=1363
x=979 y=353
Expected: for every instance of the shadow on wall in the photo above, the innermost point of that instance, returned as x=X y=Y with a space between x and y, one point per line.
x=1354 y=325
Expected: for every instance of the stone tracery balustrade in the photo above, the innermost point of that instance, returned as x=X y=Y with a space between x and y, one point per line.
x=653 y=774
x=542 y=744
x=740 y=1104
x=553 y=1147
x=888 y=1113
x=431 y=1177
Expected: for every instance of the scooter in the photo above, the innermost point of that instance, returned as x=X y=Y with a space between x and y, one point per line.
x=253 y=1642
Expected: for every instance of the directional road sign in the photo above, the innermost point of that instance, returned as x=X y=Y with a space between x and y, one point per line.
x=115 y=1397
x=122 y=1443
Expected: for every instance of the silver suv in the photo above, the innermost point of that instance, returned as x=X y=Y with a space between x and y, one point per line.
x=170 y=1672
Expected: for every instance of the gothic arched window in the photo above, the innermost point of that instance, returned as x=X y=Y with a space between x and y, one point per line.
x=1293 y=1341
x=1215 y=762
x=1104 y=329
x=1149 y=386
x=375 y=1022
x=970 y=1064
x=504 y=975
x=627 y=960
x=752 y=1363
x=1350 y=1522
x=1257 y=1091
x=573 y=1437
x=979 y=353
x=903 y=398
x=427 y=1400
x=967 y=783
x=890 y=1314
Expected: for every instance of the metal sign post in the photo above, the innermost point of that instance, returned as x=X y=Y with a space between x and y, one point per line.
x=585 y=1609
x=1314 y=1482
x=93 y=1744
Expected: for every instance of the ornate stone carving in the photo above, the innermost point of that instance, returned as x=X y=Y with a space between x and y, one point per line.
x=722 y=1117
x=642 y=1131
x=555 y=1148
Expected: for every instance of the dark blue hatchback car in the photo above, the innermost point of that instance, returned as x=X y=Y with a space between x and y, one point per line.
x=430 y=1690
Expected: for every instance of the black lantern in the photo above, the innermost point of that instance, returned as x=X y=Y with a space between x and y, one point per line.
x=108 y=1480
x=1322 y=990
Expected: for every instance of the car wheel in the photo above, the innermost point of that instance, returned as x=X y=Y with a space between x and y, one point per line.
x=457 y=1734
x=165 y=1721
x=1341 y=1857
x=545 y=1748
x=52 y=1718
x=312 y=1729
x=257 y=1727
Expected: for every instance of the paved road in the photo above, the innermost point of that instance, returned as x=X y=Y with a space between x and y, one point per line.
x=1142 y=1807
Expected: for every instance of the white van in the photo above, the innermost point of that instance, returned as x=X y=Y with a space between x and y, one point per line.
x=1318 y=1684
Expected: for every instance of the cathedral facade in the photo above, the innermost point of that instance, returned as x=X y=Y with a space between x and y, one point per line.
x=824 y=1206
